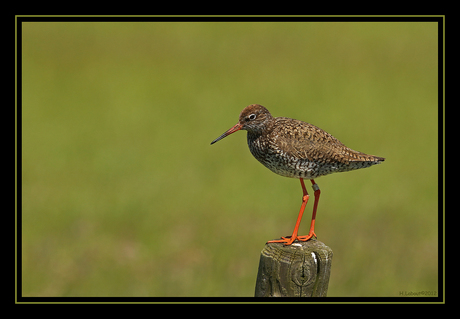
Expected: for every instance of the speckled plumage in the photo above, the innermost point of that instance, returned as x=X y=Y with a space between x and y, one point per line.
x=296 y=149
x=293 y=148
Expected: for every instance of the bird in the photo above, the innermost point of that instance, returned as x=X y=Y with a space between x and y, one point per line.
x=296 y=149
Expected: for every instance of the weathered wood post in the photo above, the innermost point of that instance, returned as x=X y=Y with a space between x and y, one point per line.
x=301 y=269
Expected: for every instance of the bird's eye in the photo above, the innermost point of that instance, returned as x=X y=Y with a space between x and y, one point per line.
x=252 y=117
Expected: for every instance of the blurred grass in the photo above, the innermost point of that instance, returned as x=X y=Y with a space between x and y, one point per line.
x=122 y=195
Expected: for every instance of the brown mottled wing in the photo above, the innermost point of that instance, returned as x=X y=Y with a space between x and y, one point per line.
x=304 y=140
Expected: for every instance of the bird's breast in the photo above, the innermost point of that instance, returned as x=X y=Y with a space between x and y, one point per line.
x=278 y=160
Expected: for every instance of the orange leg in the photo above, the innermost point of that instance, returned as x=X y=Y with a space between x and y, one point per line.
x=311 y=233
x=290 y=239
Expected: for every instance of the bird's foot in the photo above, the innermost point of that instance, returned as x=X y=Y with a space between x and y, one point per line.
x=307 y=237
x=288 y=240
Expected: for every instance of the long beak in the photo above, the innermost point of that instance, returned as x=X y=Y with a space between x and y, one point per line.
x=237 y=127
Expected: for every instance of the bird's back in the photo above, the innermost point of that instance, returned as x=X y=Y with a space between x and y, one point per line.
x=298 y=149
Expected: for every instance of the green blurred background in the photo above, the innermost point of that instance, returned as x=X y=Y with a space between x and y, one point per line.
x=122 y=194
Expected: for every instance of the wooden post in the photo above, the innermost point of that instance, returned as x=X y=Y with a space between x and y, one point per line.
x=301 y=269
